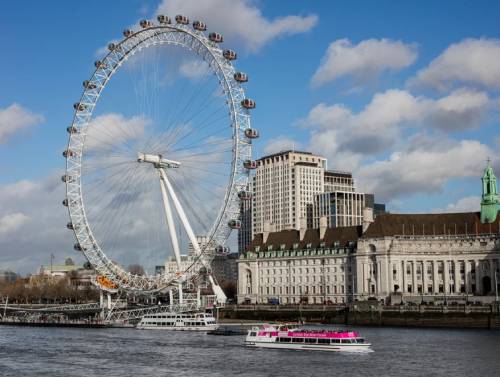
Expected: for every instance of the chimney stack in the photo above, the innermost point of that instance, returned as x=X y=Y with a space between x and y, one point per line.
x=367 y=217
x=323 y=224
x=302 y=228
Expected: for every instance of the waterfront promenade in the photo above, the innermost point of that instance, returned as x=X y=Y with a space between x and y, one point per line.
x=367 y=314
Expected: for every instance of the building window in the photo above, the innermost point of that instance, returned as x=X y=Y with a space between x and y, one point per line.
x=409 y=288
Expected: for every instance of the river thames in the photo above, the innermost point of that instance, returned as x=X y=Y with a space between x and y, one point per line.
x=51 y=352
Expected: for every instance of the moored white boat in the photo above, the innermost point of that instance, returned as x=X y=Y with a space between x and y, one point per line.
x=283 y=337
x=178 y=321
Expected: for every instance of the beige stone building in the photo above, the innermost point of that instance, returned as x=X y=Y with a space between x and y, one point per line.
x=420 y=258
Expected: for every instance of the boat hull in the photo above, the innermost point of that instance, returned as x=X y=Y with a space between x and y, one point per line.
x=311 y=347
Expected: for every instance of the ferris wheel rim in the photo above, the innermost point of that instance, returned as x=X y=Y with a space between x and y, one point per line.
x=238 y=178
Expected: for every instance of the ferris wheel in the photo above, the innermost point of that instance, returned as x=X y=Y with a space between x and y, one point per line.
x=169 y=169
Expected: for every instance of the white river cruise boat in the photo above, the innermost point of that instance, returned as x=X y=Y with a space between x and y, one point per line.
x=179 y=321
x=303 y=339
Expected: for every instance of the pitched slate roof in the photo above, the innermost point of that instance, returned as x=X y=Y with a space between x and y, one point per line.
x=391 y=224
x=342 y=235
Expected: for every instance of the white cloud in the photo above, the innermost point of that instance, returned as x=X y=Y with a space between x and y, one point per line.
x=368 y=132
x=194 y=69
x=346 y=136
x=462 y=109
x=423 y=166
x=34 y=226
x=12 y=222
x=110 y=130
x=239 y=21
x=363 y=61
x=281 y=143
x=466 y=204
x=471 y=62
x=16 y=118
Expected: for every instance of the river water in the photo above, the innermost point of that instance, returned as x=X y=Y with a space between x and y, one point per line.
x=65 y=352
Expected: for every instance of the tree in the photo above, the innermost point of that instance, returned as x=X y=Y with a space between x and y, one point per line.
x=136 y=269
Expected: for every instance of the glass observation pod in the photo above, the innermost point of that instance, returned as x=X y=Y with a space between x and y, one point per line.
x=145 y=24
x=234 y=224
x=127 y=33
x=67 y=178
x=79 y=106
x=65 y=202
x=229 y=54
x=241 y=77
x=89 y=85
x=245 y=195
x=251 y=133
x=216 y=37
x=248 y=103
x=100 y=64
x=162 y=19
x=180 y=19
x=78 y=247
x=70 y=226
x=221 y=249
x=250 y=164
x=113 y=47
x=68 y=153
x=200 y=26
x=72 y=130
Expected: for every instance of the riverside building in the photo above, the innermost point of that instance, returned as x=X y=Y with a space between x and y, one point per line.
x=450 y=257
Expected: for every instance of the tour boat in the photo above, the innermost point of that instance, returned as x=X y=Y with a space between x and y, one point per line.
x=285 y=337
x=178 y=321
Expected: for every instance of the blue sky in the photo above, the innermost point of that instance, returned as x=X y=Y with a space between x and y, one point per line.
x=427 y=68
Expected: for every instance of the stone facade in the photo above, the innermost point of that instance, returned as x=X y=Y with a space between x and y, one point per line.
x=420 y=258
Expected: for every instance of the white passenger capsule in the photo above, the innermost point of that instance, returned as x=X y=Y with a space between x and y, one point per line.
x=100 y=64
x=180 y=19
x=79 y=106
x=216 y=37
x=164 y=20
x=250 y=164
x=234 y=224
x=68 y=153
x=145 y=24
x=89 y=85
x=200 y=26
x=251 y=133
x=240 y=77
x=245 y=195
x=127 y=33
x=248 y=103
x=229 y=54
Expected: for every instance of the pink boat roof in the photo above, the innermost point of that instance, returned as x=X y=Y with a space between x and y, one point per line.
x=310 y=334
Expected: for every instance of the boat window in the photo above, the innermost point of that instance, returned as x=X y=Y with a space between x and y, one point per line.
x=253 y=334
x=284 y=340
x=346 y=341
x=310 y=340
x=360 y=340
x=297 y=340
x=323 y=341
x=335 y=341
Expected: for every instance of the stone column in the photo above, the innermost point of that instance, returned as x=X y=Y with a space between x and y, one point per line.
x=414 y=277
x=403 y=276
x=424 y=277
x=446 y=276
x=467 y=277
x=478 y=278
x=378 y=287
x=457 y=276
x=435 y=277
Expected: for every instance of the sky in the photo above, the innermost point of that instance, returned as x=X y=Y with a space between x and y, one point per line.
x=403 y=94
